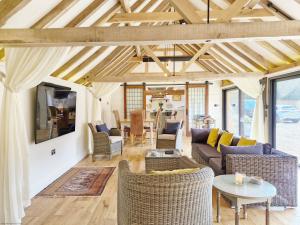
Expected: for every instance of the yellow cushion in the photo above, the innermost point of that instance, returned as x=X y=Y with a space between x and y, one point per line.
x=246 y=142
x=178 y=171
x=213 y=137
x=225 y=139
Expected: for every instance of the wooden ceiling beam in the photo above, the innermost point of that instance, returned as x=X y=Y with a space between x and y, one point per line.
x=233 y=60
x=276 y=52
x=186 y=10
x=83 y=15
x=200 y=52
x=244 y=57
x=71 y=61
x=151 y=35
x=180 y=77
x=10 y=7
x=59 y=9
x=224 y=61
x=125 y=5
x=254 y=55
x=85 y=63
x=176 y=16
x=118 y=61
x=158 y=62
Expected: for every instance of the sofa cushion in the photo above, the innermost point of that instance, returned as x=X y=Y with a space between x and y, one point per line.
x=115 y=139
x=171 y=127
x=206 y=152
x=102 y=128
x=170 y=137
x=267 y=148
x=225 y=139
x=213 y=137
x=240 y=150
x=235 y=141
x=246 y=142
x=216 y=165
x=200 y=135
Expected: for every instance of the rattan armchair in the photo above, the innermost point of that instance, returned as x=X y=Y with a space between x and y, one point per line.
x=173 y=199
x=170 y=141
x=106 y=144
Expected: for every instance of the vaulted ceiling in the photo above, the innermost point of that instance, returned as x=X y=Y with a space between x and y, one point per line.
x=243 y=37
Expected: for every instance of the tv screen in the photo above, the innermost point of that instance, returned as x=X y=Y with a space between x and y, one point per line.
x=55 y=112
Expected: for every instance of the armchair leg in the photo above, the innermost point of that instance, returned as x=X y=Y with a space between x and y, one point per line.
x=131 y=138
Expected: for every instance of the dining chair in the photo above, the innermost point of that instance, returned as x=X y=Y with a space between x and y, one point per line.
x=126 y=129
x=137 y=126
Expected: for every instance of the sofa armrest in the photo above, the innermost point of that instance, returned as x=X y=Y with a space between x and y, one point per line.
x=279 y=170
x=259 y=164
x=115 y=132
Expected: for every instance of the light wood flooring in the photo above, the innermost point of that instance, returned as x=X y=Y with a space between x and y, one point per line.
x=102 y=210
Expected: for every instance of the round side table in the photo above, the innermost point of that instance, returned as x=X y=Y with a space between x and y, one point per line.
x=244 y=194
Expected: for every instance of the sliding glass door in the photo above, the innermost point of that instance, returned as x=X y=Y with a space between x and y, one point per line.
x=238 y=112
x=285 y=123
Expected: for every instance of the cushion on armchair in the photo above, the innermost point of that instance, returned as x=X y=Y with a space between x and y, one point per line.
x=115 y=139
x=102 y=128
x=239 y=150
x=171 y=127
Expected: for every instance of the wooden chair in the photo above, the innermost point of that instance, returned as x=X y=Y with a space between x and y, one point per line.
x=126 y=130
x=137 y=126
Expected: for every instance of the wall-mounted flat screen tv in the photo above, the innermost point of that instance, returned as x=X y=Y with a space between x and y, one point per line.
x=55 y=111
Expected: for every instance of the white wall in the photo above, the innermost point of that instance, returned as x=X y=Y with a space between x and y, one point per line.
x=117 y=103
x=215 y=102
x=70 y=148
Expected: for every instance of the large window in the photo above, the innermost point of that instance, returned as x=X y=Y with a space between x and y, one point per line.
x=238 y=112
x=285 y=111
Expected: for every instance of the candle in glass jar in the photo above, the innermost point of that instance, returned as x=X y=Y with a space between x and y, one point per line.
x=239 y=178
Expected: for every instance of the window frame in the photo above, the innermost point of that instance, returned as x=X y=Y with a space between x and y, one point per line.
x=272 y=103
x=224 y=112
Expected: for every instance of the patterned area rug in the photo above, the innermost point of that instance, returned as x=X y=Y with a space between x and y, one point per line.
x=80 y=181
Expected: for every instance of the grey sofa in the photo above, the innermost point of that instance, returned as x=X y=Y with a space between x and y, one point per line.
x=166 y=199
x=274 y=166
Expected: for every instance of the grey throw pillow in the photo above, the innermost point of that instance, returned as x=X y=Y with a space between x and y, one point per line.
x=200 y=135
x=240 y=150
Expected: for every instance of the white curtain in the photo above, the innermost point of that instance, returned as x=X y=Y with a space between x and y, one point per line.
x=25 y=68
x=101 y=90
x=253 y=88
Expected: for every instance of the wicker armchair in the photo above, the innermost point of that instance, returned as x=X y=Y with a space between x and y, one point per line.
x=170 y=141
x=279 y=169
x=106 y=144
x=173 y=199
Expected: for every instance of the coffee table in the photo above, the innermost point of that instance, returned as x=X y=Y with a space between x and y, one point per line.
x=157 y=159
x=244 y=194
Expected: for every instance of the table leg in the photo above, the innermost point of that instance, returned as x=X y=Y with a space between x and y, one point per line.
x=268 y=204
x=218 y=207
x=151 y=133
x=237 y=214
x=245 y=211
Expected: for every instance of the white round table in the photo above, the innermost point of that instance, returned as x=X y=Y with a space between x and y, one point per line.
x=243 y=194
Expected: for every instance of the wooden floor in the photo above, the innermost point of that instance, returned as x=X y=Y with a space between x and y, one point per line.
x=103 y=210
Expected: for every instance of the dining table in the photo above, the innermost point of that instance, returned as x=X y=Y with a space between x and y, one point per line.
x=147 y=123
